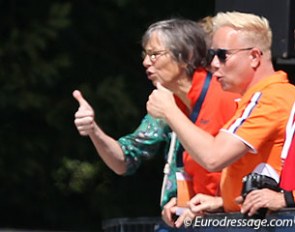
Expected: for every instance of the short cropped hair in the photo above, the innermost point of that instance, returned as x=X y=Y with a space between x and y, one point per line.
x=256 y=29
x=184 y=38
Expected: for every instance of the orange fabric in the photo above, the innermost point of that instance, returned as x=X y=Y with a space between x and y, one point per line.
x=184 y=189
x=259 y=122
x=217 y=108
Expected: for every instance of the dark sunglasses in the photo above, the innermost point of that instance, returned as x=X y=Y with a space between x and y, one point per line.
x=222 y=53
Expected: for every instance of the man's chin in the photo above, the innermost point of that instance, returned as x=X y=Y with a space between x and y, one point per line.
x=226 y=87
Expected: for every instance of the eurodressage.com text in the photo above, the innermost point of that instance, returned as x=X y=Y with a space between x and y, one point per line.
x=241 y=222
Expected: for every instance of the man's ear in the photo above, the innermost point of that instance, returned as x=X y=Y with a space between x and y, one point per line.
x=256 y=57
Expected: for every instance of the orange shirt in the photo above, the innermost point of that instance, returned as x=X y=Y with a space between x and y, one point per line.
x=217 y=108
x=259 y=122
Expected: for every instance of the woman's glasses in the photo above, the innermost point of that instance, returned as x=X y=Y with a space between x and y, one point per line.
x=153 y=55
x=222 y=54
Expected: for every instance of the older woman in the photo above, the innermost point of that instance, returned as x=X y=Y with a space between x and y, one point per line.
x=174 y=55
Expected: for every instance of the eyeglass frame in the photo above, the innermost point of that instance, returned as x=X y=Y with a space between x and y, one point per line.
x=221 y=53
x=153 y=55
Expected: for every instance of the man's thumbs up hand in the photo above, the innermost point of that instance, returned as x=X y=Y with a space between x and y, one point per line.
x=160 y=102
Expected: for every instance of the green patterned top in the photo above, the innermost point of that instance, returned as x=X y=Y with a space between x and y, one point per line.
x=144 y=143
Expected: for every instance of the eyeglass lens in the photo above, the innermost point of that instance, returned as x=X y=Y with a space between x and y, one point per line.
x=220 y=53
x=153 y=55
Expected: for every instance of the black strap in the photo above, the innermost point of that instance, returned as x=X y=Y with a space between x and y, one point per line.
x=289 y=198
x=194 y=115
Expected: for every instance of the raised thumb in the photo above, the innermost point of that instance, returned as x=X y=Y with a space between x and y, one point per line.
x=79 y=97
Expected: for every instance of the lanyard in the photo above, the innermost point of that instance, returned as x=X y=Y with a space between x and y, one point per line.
x=194 y=116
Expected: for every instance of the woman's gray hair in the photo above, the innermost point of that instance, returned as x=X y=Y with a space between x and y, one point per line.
x=184 y=38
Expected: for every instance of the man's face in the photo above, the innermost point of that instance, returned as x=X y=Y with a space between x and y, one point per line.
x=231 y=63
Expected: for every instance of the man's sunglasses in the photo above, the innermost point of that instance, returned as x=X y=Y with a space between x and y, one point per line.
x=222 y=54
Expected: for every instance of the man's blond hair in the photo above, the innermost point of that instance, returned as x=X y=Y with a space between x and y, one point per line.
x=255 y=29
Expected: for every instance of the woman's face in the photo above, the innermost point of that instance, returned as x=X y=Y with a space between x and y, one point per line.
x=160 y=65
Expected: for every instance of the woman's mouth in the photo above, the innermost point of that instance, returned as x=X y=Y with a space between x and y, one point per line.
x=149 y=75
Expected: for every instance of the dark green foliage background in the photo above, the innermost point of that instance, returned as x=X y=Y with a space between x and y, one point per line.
x=51 y=177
